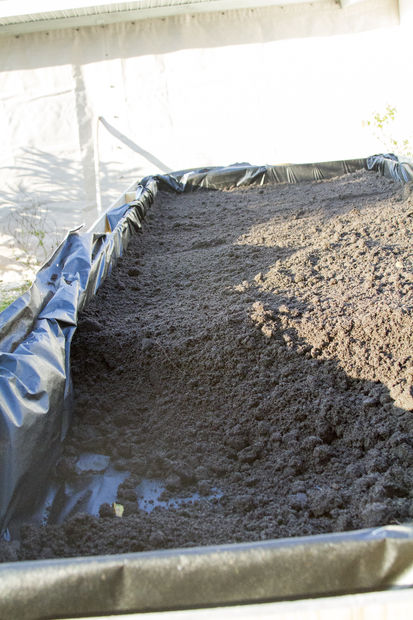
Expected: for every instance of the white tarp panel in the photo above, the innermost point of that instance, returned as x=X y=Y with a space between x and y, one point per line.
x=85 y=111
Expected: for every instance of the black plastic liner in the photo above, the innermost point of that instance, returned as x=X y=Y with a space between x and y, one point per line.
x=36 y=400
x=36 y=332
x=245 y=174
x=285 y=569
x=389 y=166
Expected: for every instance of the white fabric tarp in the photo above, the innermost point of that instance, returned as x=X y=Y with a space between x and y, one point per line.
x=85 y=111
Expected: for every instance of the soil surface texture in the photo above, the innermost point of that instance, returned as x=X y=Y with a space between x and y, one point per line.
x=252 y=355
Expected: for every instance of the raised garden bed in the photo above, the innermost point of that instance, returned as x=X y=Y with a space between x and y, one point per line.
x=244 y=374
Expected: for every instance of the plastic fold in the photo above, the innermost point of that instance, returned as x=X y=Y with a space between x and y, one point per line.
x=36 y=332
x=293 y=568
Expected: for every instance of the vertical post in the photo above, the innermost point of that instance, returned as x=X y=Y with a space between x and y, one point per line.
x=86 y=131
x=97 y=165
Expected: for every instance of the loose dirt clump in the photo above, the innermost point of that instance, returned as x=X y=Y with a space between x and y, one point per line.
x=252 y=355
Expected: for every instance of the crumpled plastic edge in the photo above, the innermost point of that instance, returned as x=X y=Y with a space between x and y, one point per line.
x=391 y=167
x=35 y=336
x=244 y=174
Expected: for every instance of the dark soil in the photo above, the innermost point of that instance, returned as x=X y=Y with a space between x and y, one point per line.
x=254 y=346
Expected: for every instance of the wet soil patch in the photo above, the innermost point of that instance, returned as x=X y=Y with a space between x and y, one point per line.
x=249 y=361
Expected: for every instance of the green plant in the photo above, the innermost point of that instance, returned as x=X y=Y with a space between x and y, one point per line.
x=384 y=129
x=7 y=297
x=34 y=231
